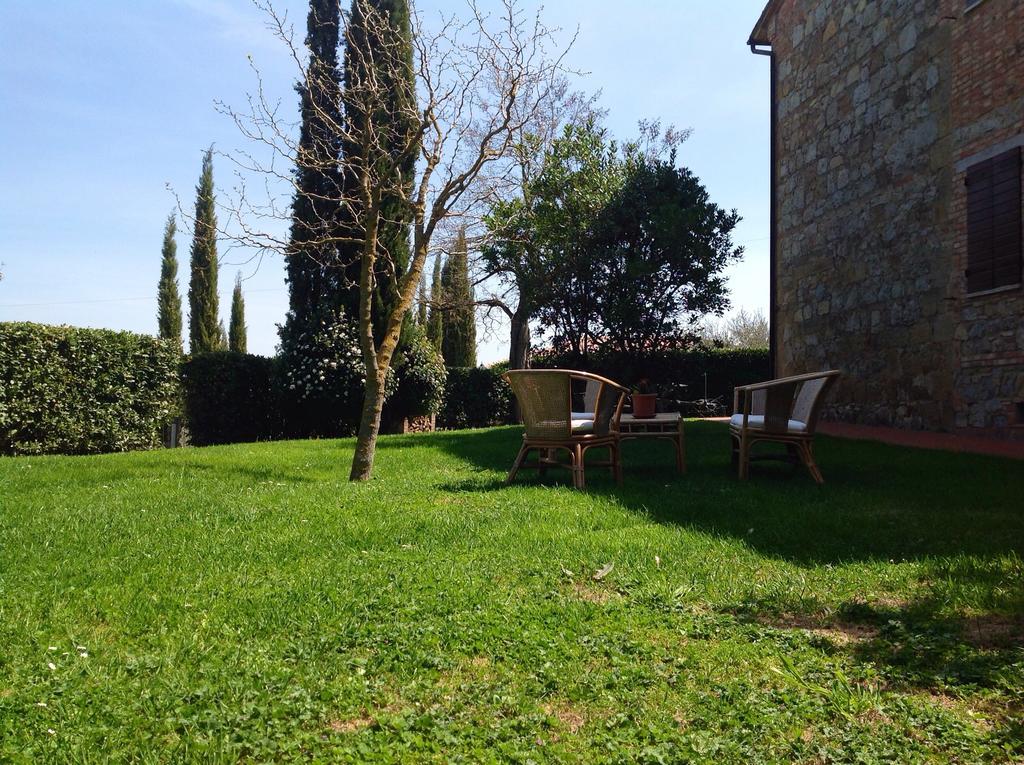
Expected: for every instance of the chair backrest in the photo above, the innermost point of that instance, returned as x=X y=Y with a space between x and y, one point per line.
x=807 y=404
x=789 y=398
x=545 y=400
x=590 y=394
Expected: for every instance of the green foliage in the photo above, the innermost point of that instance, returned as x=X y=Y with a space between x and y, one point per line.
x=248 y=604
x=613 y=248
x=661 y=247
x=435 y=320
x=84 y=391
x=237 y=341
x=168 y=300
x=475 y=397
x=678 y=375
x=313 y=274
x=420 y=375
x=205 y=331
x=458 y=330
x=231 y=397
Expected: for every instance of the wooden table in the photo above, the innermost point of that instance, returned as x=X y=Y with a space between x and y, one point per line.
x=666 y=425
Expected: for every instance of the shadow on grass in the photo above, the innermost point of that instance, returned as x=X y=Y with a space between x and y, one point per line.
x=879 y=503
x=960 y=517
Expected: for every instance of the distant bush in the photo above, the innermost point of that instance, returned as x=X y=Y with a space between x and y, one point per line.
x=475 y=397
x=231 y=398
x=68 y=390
x=677 y=375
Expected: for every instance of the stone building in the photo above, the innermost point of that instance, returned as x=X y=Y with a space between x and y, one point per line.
x=897 y=128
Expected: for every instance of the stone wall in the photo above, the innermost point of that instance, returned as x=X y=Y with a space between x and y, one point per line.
x=869 y=250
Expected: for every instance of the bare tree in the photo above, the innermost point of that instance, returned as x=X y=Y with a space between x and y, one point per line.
x=477 y=82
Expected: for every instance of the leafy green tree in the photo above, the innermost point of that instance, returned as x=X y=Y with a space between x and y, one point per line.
x=435 y=320
x=615 y=249
x=662 y=237
x=168 y=299
x=458 y=334
x=556 y=271
x=383 y=54
x=203 y=325
x=237 y=341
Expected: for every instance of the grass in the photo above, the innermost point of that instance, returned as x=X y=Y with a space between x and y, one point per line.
x=247 y=603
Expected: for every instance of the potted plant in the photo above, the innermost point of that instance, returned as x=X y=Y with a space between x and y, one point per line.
x=645 y=400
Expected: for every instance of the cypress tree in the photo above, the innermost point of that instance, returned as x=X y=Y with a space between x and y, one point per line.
x=203 y=327
x=458 y=336
x=421 y=302
x=313 y=280
x=236 y=330
x=435 y=321
x=168 y=299
x=400 y=124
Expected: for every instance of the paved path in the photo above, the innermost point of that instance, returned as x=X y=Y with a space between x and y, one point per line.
x=920 y=439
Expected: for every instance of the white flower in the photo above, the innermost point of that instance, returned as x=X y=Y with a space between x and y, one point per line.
x=51 y=665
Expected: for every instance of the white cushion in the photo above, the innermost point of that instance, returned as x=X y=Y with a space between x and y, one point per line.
x=580 y=425
x=582 y=415
x=756 y=422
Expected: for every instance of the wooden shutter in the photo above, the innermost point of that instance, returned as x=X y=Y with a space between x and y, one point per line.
x=994 y=222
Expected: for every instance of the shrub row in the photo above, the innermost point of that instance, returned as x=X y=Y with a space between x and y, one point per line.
x=70 y=390
x=678 y=376
x=235 y=397
x=475 y=397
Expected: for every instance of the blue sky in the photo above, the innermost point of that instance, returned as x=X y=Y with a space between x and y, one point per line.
x=106 y=104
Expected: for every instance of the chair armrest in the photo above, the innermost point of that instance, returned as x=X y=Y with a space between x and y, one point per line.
x=787 y=380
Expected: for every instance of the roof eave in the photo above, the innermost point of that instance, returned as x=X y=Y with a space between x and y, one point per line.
x=760 y=34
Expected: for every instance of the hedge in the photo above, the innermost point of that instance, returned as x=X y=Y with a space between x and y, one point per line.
x=669 y=371
x=475 y=397
x=236 y=397
x=232 y=398
x=68 y=390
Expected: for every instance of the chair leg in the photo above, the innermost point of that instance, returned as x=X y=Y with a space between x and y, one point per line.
x=807 y=455
x=617 y=462
x=520 y=458
x=578 y=454
x=735 y=443
x=744 y=458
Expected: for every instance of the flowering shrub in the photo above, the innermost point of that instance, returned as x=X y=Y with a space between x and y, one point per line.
x=67 y=390
x=323 y=378
x=420 y=374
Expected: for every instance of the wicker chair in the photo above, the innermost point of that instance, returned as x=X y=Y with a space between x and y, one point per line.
x=546 y=400
x=785 y=411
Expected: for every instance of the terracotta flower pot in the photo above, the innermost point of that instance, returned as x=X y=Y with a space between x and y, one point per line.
x=645 y=405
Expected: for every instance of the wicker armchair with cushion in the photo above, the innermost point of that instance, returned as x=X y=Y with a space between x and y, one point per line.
x=551 y=425
x=785 y=411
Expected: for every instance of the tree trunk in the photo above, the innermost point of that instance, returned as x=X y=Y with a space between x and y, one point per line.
x=369 y=428
x=519 y=351
x=519 y=347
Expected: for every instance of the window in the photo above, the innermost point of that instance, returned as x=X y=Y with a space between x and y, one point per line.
x=994 y=222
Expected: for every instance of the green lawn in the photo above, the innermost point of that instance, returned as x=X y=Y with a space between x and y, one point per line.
x=248 y=603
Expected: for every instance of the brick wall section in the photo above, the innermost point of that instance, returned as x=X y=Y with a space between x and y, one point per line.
x=987 y=111
x=871 y=233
